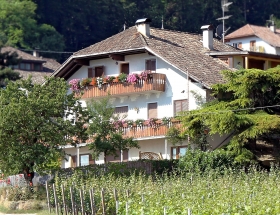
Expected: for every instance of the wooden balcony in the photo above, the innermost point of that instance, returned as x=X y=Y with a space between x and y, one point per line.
x=146 y=131
x=155 y=83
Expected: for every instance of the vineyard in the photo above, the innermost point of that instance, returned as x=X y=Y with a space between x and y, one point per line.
x=232 y=192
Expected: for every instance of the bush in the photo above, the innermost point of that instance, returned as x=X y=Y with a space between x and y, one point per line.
x=199 y=161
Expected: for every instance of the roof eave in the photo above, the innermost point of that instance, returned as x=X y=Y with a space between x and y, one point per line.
x=88 y=56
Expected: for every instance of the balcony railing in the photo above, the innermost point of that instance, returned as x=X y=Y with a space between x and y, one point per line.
x=148 y=131
x=155 y=83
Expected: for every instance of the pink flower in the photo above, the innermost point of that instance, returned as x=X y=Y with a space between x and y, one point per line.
x=74 y=84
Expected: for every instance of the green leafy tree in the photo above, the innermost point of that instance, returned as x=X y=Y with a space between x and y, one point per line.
x=105 y=136
x=18 y=25
x=36 y=121
x=247 y=106
x=6 y=73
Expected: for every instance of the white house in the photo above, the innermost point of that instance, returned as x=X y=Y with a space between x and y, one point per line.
x=182 y=65
x=256 y=38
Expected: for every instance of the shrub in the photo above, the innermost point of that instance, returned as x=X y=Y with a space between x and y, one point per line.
x=200 y=161
x=122 y=77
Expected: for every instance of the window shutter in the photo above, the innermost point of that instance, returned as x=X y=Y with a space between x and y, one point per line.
x=74 y=160
x=180 y=105
x=151 y=65
x=121 y=111
x=185 y=105
x=125 y=68
x=152 y=110
x=99 y=71
x=91 y=73
x=91 y=161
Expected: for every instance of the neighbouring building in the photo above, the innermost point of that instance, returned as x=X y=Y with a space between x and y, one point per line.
x=37 y=67
x=182 y=65
x=261 y=45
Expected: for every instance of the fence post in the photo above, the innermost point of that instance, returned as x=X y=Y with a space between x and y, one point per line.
x=103 y=201
x=164 y=210
x=82 y=201
x=115 y=194
x=72 y=200
x=126 y=208
x=48 y=196
x=63 y=199
x=55 y=200
x=92 y=203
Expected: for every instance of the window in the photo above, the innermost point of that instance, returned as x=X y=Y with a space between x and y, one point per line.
x=85 y=159
x=180 y=105
x=178 y=151
x=151 y=64
x=152 y=110
x=125 y=68
x=253 y=45
x=96 y=72
x=37 y=67
x=121 y=111
x=25 y=66
x=240 y=45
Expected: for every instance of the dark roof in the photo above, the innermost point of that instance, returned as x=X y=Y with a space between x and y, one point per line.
x=264 y=33
x=184 y=51
x=21 y=54
x=37 y=77
x=49 y=65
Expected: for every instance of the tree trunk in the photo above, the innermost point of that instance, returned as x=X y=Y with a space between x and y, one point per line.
x=28 y=175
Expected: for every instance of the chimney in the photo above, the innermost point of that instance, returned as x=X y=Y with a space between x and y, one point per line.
x=272 y=27
x=143 y=26
x=35 y=53
x=207 y=36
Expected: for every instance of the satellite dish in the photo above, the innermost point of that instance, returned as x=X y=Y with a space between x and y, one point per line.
x=219 y=31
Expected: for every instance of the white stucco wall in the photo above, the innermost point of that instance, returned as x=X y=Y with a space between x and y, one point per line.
x=177 y=86
x=259 y=42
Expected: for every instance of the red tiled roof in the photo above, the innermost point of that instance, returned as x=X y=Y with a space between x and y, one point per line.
x=183 y=50
x=264 y=33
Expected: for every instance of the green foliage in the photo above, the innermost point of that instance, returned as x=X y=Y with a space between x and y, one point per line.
x=174 y=135
x=19 y=27
x=105 y=137
x=74 y=21
x=23 y=193
x=33 y=128
x=197 y=161
x=234 y=192
x=246 y=106
x=7 y=59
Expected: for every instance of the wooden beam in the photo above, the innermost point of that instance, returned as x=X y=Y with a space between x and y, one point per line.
x=246 y=62
x=117 y=57
x=82 y=62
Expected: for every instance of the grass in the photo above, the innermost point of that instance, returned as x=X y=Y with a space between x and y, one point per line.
x=38 y=212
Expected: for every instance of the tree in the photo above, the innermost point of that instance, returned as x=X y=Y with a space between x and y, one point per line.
x=18 y=25
x=103 y=130
x=36 y=121
x=246 y=106
x=6 y=59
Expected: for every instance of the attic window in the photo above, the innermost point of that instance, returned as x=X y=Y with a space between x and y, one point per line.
x=25 y=66
x=151 y=64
